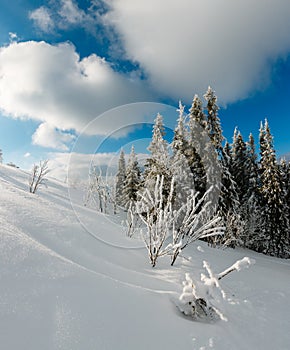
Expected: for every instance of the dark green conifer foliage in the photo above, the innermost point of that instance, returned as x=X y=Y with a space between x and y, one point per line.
x=228 y=208
x=275 y=217
x=240 y=165
x=252 y=209
x=196 y=145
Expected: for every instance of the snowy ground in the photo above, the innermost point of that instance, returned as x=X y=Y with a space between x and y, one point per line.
x=70 y=279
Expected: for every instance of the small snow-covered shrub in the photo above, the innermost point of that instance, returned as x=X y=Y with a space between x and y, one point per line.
x=156 y=211
x=203 y=300
x=192 y=304
x=38 y=175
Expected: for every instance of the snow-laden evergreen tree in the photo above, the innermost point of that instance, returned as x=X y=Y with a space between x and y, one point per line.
x=275 y=228
x=253 y=203
x=179 y=164
x=1 y=156
x=240 y=166
x=228 y=206
x=132 y=181
x=120 y=180
x=197 y=140
x=285 y=171
x=213 y=147
x=158 y=163
x=285 y=175
x=180 y=143
x=253 y=168
x=213 y=124
x=180 y=168
x=198 y=135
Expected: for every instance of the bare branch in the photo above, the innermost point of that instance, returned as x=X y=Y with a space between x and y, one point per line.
x=38 y=176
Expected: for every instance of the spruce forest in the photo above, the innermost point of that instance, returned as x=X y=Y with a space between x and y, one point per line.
x=201 y=186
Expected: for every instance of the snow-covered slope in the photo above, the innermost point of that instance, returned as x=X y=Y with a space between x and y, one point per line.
x=70 y=279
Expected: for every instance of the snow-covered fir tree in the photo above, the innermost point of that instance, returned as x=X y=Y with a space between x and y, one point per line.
x=180 y=143
x=285 y=173
x=253 y=169
x=252 y=206
x=158 y=163
x=213 y=147
x=228 y=206
x=197 y=140
x=120 y=180
x=179 y=162
x=275 y=224
x=213 y=124
x=180 y=169
x=132 y=181
x=240 y=164
x=198 y=135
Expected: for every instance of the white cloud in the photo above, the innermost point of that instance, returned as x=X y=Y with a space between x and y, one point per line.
x=64 y=14
x=186 y=45
x=42 y=19
x=76 y=166
x=27 y=155
x=13 y=36
x=47 y=135
x=71 y=13
x=51 y=84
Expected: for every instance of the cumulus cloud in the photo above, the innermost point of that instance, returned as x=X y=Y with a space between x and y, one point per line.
x=64 y=14
x=42 y=19
x=49 y=83
x=76 y=166
x=71 y=13
x=184 y=46
x=46 y=135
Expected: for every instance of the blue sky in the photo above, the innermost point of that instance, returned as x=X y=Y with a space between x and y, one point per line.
x=67 y=66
